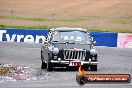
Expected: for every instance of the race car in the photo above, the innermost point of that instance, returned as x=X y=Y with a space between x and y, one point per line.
x=68 y=47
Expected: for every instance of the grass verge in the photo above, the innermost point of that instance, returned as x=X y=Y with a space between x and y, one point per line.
x=25 y=27
x=89 y=29
x=4 y=71
x=109 y=30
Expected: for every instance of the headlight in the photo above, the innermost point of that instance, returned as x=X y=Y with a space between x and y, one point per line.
x=93 y=52
x=55 y=51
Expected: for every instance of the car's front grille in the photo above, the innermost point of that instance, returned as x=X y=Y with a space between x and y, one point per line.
x=74 y=54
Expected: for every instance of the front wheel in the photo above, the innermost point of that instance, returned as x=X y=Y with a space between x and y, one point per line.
x=43 y=65
x=49 y=65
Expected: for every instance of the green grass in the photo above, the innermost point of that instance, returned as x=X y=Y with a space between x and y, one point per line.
x=110 y=20
x=38 y=19
x=71 y=19
x=89 y=29
x=3 y=70
x=44 y=19
x=25 y=27
x=115 y=20
x=124 y=20
x=109 y=30
x=4 y=16
x=6 y=70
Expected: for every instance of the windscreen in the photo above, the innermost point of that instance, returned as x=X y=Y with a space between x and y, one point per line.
x=70 y=37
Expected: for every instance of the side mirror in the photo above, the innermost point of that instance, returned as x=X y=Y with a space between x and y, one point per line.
x=94 y=42
x=45 y=44
x=91 y=38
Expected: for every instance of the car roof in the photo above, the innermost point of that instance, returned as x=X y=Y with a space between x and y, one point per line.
x=68 y=29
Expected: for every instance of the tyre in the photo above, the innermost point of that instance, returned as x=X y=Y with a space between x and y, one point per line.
x=49 y=65
x=43 y=65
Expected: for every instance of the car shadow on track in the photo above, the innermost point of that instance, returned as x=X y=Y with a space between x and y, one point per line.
x=66 y=69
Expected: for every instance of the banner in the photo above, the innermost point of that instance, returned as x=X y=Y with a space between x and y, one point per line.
x=22 y=35
x=105 y=38
x=38 y=35
x=124 y=40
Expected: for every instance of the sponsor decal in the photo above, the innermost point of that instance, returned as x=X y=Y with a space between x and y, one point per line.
x=124 y=40
x=20 y=35
x=83 y=78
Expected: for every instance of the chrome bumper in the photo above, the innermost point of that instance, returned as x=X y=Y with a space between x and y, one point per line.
x=82 y=62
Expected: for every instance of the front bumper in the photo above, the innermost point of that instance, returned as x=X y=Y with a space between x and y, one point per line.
x=67 y=62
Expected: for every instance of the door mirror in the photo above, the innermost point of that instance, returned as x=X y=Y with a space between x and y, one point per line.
x=92 y=38
x=94 y=42
x=45 y=43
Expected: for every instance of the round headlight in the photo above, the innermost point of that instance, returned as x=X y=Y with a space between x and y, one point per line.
x=93 y=52
x=55 y=51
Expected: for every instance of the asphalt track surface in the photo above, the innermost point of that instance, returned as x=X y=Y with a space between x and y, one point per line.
x=111 y=61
